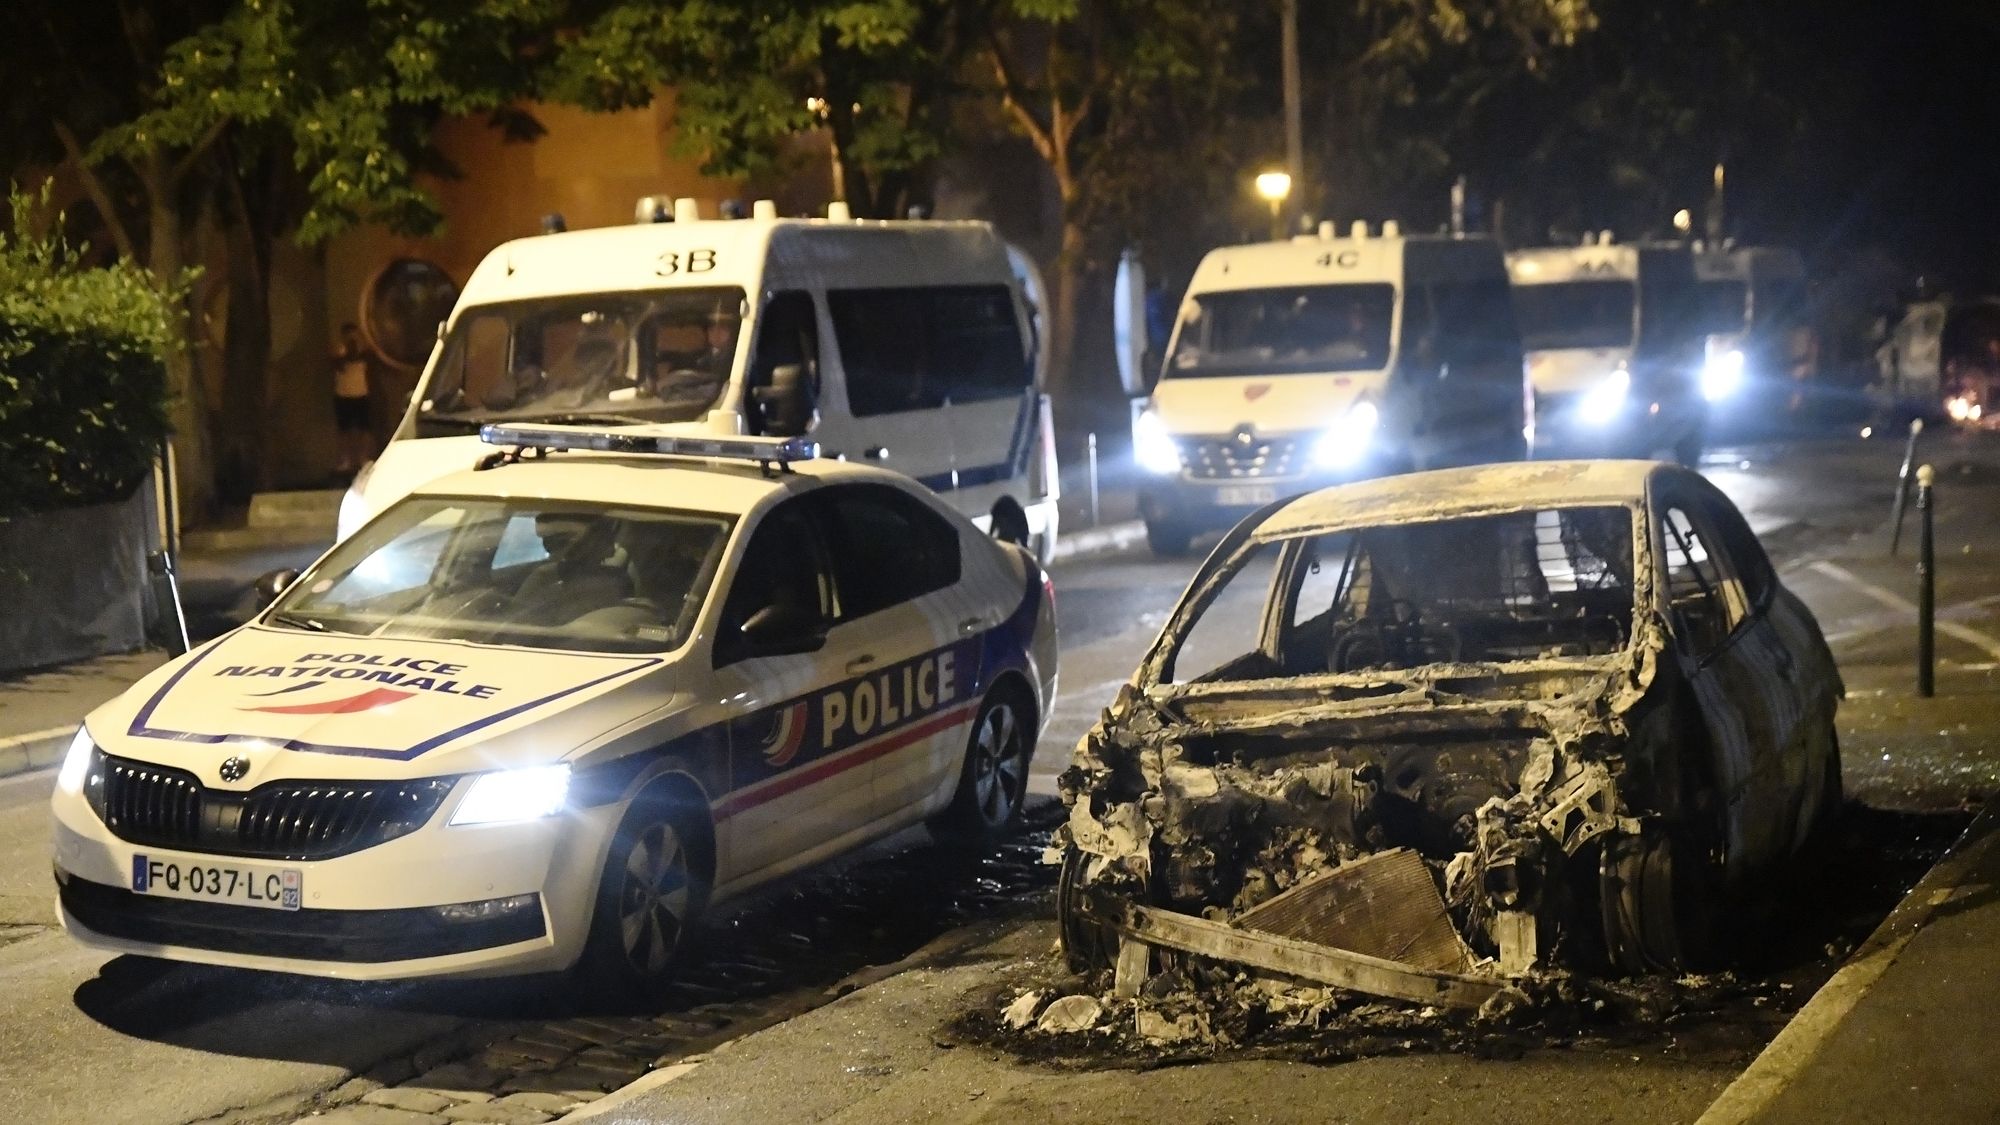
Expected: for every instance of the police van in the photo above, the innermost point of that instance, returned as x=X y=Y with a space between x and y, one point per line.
x=1300 y=363
x=910 y=345
x=1614 y=333
x=1760 y=349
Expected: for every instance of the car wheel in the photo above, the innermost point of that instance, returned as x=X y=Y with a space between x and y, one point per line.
x=1087 y=945
x=994 y=778
x=653 y=888
x=1168 y=538
x=1659 y=895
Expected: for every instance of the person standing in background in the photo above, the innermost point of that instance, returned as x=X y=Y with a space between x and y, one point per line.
x=350 y=402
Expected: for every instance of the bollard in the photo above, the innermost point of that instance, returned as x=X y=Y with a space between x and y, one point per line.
x=1903 y=487
x=1090 y=446
x=1926 y=588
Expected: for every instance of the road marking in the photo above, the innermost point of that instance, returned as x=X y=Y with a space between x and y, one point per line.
x=1981 y=641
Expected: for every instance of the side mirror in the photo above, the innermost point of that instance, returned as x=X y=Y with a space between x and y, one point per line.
x=789 y=405
x=272 y=584
x=784 y=629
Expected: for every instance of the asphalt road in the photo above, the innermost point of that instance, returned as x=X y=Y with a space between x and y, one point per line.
x=128 y=1041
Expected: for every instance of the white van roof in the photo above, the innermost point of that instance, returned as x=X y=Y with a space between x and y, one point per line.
x=1318 y=260
x=739 y=252
x=1551 y=264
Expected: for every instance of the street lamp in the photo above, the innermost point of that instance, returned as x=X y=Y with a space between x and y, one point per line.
x=1275 y=186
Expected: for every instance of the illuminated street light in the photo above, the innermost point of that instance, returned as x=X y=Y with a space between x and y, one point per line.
x=1275 y=186
x=1683 y=220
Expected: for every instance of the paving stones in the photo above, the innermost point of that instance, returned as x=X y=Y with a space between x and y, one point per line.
x=497 y=1114
x=362 y=1114
x=414 y=1100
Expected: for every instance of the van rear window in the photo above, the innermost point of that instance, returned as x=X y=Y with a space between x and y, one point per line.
x=1294 y=330
x=917 y=348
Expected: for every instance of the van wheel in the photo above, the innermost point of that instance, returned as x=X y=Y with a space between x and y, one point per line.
x=653 y=888
x=993 y=781
x=1009 y=524
x=1168 y=538
x=1687 y=451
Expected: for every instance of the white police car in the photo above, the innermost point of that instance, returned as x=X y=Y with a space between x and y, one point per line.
x=540 y=714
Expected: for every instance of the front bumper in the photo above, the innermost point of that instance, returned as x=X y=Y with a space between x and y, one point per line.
x=1636 y=430
x=367 y=915
x=1201 y=504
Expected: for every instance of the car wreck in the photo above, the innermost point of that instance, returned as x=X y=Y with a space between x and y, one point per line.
x=1422 y=736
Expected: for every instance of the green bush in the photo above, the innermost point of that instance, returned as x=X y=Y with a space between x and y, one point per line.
x=83 y=379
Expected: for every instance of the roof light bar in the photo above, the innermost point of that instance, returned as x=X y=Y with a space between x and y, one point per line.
x=639 y=439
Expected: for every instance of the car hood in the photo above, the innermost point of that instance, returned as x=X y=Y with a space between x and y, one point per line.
x=320 y=705
x=1269 y=404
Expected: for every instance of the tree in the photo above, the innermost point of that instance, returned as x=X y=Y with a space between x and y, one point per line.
x=874 y=75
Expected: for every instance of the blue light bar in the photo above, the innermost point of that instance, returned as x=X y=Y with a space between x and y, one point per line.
x=643 y=440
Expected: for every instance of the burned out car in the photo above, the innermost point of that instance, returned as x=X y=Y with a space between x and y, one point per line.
x=1420 y=735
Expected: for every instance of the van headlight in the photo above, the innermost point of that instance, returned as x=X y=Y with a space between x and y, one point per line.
x=524 y=794
x=76 y=762
x=1602 y=402
x=1153 y=447
x=1722 y=374
x=1346 y=441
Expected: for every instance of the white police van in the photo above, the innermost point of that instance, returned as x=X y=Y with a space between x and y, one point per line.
x=537 y=715
x=1614 y=334
x=1300 y=363
x=910 y=345
x=1759 y=351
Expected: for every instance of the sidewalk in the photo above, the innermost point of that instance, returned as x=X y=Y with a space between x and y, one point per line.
x=39 y=712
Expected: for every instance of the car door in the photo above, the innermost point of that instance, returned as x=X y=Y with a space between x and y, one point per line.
x=1725 y=652
x=910 y=636
x=791 y=795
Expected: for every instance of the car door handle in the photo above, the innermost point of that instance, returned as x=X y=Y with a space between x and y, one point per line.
x=861 y=663
x=971 y=625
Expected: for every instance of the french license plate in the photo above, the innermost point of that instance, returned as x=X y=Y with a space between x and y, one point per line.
x=272 y=888
x=1244 y=494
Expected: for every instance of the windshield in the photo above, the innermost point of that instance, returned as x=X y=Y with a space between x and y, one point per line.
x=1724 y=306
x=1497 y=589
x=661 y=356
x=1575 y=314
x=1285 y=331
x=538 y=573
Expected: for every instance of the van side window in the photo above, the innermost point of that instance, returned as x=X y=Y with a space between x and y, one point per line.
x=1477 y=323
x=888 y=547
x=976 y=343
x=883 y=346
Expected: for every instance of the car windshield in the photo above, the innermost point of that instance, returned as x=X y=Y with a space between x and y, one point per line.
x=1497 y=589
x=536 y=573
x=1285 y=331
x=660 y=356
x=1575 y=314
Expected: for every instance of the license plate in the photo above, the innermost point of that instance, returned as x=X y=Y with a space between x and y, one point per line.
x=272 y=888
x=1245 y=494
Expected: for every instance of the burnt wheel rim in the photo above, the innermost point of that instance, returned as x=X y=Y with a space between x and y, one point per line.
x=653 y=898
x=999 y=765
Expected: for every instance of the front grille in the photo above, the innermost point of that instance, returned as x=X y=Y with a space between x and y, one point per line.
x=354 y=936
x=1230 y=458
x=161 y=806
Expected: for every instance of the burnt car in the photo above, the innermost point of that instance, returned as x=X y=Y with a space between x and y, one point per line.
x=1422 y=734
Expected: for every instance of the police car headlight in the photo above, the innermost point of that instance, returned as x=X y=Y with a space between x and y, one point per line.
x=1153 y=447
x=76 y=762
x=1721 y=375
x=526 y=794
x=1346 y=441
x=1602 y=402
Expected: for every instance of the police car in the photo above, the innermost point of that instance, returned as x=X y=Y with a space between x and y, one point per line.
x=540 y=714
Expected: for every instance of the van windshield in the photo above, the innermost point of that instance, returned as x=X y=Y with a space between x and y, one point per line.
x=1725 y=305
x=1575 y=314
x=1295 y=330
x=661 y=356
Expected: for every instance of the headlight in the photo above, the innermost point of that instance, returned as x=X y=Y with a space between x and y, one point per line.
x=527 y=794
x=1602 y=402
x=1721 y=375
x=353 y=508
x=1962 y=409
x=76 y=763
x=1153 y=447
x=1346 y=441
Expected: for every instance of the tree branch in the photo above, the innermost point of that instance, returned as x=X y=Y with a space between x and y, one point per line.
x=194 y=153
x=1011 y=100
x=93 y=186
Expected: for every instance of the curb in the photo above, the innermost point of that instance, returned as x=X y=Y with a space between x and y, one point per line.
x=1109 y=539
x=1786 y=1057
x=35 y=750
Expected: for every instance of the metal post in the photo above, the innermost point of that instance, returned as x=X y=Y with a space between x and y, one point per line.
x=1091 y=454
x=1926 y=588
x=1903 y=487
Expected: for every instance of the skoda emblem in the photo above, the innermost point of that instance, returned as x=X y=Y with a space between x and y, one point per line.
x=234 y=769
x=1244 y=438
